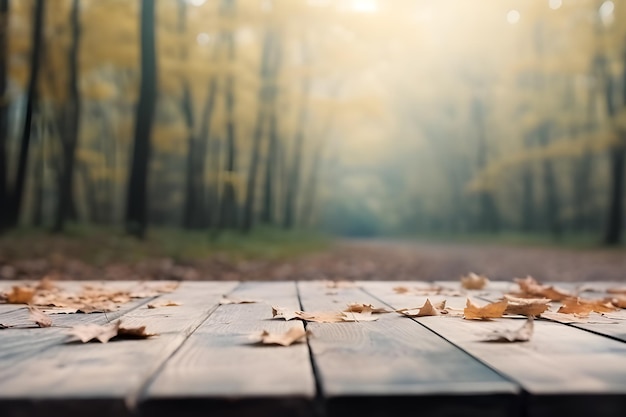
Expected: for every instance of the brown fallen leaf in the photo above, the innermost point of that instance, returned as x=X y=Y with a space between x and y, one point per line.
x=401 y=290
x=583 y=307
x=103 y=333
x=39 y=317
x=526 y=306
x=617 y=300
x=473 y=311
x=364 y=316
x=531 y=286
x=46 y=284
x=234 y=300
x=522 y=334
x=428 y=309
x=283 y=313
x=293 y=335
x=365 y=308
x=616 y=290
x=474 y=281
x=20 y=295
x=164 y=303
x=592 y=318
x=321 y=316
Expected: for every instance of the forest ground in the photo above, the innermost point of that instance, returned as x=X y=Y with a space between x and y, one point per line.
x=282 y=257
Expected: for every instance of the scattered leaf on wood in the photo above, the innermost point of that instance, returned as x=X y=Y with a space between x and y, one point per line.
x=526 y=306
x=366 y=308
x=522 y=334
x=293 y=335
x=164 y=303
x=46 y=283
x=283 y=313
x=495 y=310
x=428 y=309
x=233 y=300
x=321 y=316
x=364 y=316
x=574 y=318
x=40 y=318
x=616 y=290
x=20 y=294
x=583 y=307
x=617 y=300
x=530 y=286
x=474 y=281
x=103 y=333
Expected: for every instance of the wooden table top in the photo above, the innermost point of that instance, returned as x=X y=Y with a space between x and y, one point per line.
x=202 y=360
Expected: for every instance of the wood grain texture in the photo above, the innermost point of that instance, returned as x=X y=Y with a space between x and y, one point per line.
x=563 y=369
x=381 y=367
x=113 y=374
x=219 y=368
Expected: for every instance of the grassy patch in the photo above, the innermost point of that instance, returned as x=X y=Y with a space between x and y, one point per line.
x=99 y=246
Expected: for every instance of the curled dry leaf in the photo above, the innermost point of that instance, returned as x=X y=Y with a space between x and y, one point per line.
x=364 y=316
x=530 y=286
x=523 y=334
x=365 y=308
x=321 y=316
x=428 y=309
x=593 y=318
x=495 y=310
x=2 y=326
x=164 y=303
x=474 y=281
x=103 y=333
x=20 y=294
x=526 y=306
x=293 y=335
x=234 y=300
x=40 y=318
x=617 y=300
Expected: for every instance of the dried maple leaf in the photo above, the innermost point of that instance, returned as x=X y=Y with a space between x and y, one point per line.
x=428 y=309
x=530 y=286
x=473 y=311
x=474 y=281
x=20 y=295
x=283 y=313
x=293 y=335
x=617 y=300
x=364 y=316
x=583 y=307
x=522 y=334
x=40 y=318
x=321 y=317
x=233 y=300
x=526 y=306
x=103 y=333
x=401 y=290
x=164 y=303
x=365 y=308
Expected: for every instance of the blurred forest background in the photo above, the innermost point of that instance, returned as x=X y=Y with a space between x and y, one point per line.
x=350 y=117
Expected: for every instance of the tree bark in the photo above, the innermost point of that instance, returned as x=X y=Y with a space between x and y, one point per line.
x=136 y=202
x=72 y=119
x=4 y=111
x=17 y=193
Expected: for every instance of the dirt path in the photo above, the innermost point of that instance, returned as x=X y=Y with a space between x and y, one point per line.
x=364 y=260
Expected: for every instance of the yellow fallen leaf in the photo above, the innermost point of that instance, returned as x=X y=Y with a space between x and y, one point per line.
x=428 y=309
x=583 y=307
x=39 y=317
x=522 y=334
x=526 y=306
x=474 y=281
x=293 y=335
x=473 y=311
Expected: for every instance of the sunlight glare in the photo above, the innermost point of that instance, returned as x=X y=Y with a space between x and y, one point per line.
x=606 y=12
x=203 y=38
x=197 y=2
x=513 y=16
x=365 y=6
x=555 y=4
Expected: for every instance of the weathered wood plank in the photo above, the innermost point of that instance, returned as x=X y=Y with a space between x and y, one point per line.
x=394 y=364
x=101 y=379
x=218 y=369
x=563 y=369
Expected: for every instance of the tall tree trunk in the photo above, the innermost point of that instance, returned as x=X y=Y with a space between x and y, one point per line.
x=4 y=111
x=72 y=119
x=31 y=98
x=229 y=217
x=251 y=183
x=267 y=212
x=136 y=201
x=552 y=206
